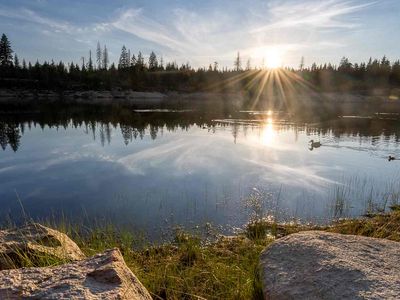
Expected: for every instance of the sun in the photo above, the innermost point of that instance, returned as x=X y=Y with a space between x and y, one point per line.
x=270 y=56
x=273 y=58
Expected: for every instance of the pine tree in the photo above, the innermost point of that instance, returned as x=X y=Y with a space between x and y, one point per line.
x=313 y=67
x=396 y=72
x=99 y=56
x=16 y=62
x=345 y=65
x=238 y=63
x=248 y=65
x=301 y=67
x=5 y=51
x=215 y=66
x=162 y=63
x=83 y=68
x=3 y=135
x=153 y=63
x=90 y=63
x=123 y=59
x=385 y=64
x=105 y=58
x=140 y=60
x=133 y=60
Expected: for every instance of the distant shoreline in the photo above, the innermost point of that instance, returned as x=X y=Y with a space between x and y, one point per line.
x=311 y=104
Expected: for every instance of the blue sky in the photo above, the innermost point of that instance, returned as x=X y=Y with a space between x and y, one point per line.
x=205 y=31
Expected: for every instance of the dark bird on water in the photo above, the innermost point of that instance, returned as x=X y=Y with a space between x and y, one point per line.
x=391 y=158
x=314 y=145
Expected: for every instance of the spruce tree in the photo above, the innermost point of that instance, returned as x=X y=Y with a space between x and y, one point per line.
x=140 y=60
x=248 y=65
x=301 y=67
x=16 y=62
x=153 y=63
x=90 y=63
x=5 y=51
x=123 y=59
x=215 y=66
x=99 y=56
x=133 y=60
x=162 y=63
x=238 y=62
x=105 y=58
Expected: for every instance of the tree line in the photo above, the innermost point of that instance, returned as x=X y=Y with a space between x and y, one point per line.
x=134 y=71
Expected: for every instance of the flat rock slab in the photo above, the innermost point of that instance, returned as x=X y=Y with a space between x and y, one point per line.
x=35 y=242
x=321 y=265
x=104 y=276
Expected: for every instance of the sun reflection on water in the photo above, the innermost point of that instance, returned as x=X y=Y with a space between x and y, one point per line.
x=268 y=132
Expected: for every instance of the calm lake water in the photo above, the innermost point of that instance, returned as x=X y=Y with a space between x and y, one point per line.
x=151 y=170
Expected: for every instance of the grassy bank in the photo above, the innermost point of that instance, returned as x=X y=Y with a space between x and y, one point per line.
x=190 y=267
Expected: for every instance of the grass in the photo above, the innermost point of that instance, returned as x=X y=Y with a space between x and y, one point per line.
x=187 y=269
x=384 y=225
x=191 y=267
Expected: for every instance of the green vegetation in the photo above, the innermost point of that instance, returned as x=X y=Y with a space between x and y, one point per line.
x=385 y=226
x=194 y=267
x=226 y=269
x=187 y=267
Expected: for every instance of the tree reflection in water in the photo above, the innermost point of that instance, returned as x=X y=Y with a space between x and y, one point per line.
x=101 y=122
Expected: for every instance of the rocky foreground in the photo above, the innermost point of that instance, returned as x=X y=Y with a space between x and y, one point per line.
x=104 y=276
x=305 y=265
x=321 y=265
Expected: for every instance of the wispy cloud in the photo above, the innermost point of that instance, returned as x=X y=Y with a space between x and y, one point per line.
x=311 y=14
x=32 y=17
x=51 y=25
x=185 y=32
x=134 y=22
x=196 y=35
x=202 y=37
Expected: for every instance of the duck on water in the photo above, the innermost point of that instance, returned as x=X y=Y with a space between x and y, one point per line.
x=314 y=144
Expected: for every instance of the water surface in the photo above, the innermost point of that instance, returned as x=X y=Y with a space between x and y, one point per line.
x=152 y=170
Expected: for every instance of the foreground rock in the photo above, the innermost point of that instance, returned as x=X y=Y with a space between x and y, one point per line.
x=104 y=276
x=35 y=242
x=321 y=265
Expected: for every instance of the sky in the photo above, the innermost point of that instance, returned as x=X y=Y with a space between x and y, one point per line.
x=204 y=31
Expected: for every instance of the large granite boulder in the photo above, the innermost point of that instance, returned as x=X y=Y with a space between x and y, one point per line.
x=321 y=265
x=35 y=242
x=104 y=276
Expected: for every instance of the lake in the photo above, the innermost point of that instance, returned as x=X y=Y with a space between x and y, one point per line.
x=154 y=169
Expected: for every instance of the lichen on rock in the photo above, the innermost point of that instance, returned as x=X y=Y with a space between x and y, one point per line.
x=104 y=276
x=35 y=242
